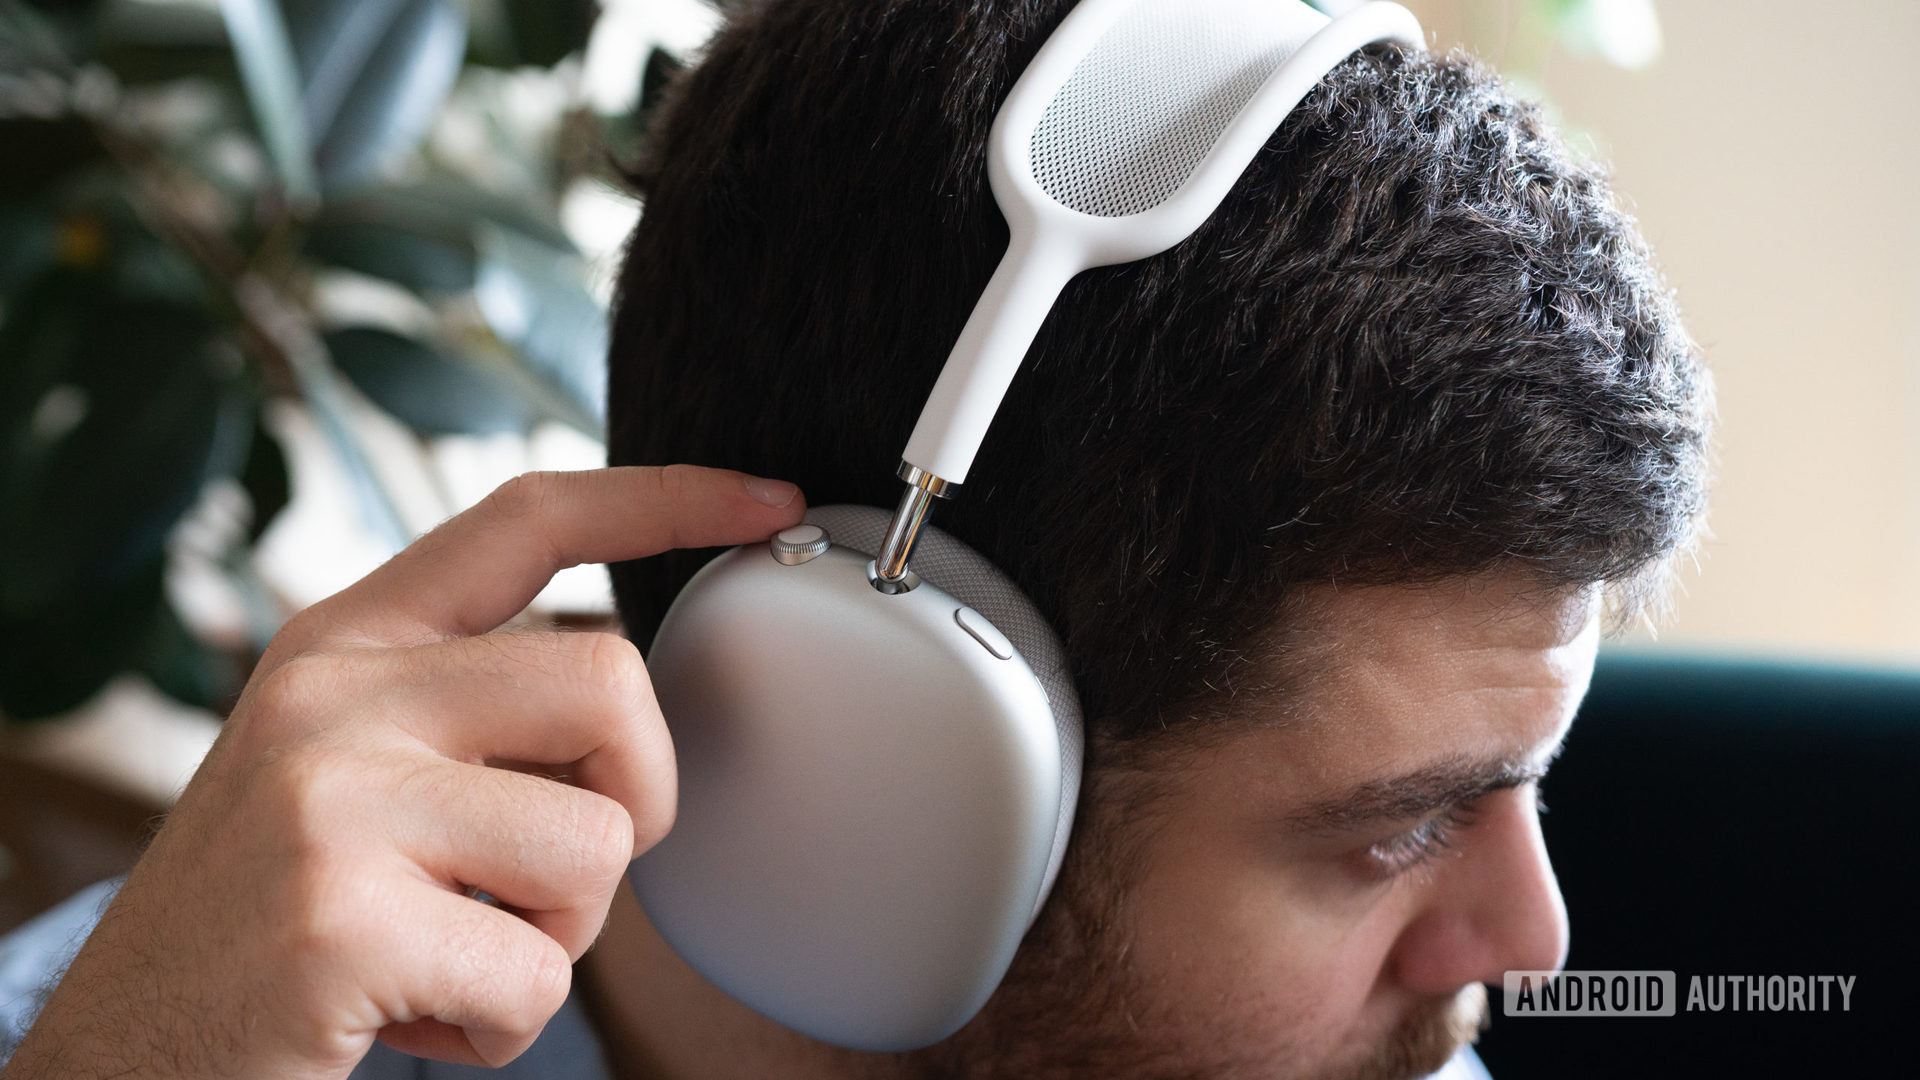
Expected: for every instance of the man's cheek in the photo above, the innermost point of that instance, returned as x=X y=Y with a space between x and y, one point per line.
x=1258 y=963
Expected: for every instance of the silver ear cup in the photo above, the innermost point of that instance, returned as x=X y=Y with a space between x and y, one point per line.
x=968 y=577
x=875 y=789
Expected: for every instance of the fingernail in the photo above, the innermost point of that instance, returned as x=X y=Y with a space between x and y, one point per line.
x=774 y=493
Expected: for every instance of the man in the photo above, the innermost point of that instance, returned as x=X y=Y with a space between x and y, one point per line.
x=1328 y=505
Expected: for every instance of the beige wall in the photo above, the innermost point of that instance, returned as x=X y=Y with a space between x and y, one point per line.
x=1772 y=155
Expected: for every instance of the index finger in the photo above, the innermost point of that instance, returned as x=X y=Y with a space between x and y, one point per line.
x=482 y=567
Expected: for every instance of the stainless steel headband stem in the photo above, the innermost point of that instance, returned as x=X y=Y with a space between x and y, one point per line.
x=890 y=568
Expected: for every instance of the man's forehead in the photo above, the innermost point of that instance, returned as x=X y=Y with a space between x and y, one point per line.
x=1496 y=609
x=1457 y=634
x=1462 y=677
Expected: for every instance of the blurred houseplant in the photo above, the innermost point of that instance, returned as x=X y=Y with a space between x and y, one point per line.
x=188 y=188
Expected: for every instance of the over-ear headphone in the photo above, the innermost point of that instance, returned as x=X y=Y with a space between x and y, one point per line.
x=878 y=739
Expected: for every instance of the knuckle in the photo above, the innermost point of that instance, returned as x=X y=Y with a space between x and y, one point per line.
x=661 y=805
x=327 y=907
x=305 y=626
x=604 y=831
x=305 y=790
x=516 y=1012
x=547 y=981
x=295 y=688
x=654 y=828
x=614 y=669
x=430 y=782
x=677 y=481
x=523 y=496
x=658 y=794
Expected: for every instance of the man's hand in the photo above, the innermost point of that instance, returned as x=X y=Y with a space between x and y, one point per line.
x=312 y=889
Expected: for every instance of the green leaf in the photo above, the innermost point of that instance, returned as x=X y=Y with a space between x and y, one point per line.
x=546 y=32
x=340 y=87
x=76 y=8
x=450 y=208
x=431 y=391
x=424 y=236
x=143 y=65
x=40 y=152
x=626 y=129
x=264 y=51
x=267 y=481
x=181 y=666
x=536 y=299
x=61 y=655
x=114 y=410
x=29 y=238
x=375 y=75
x=143 y=41
x=44 y=34
x=662 y=67
x=404 y=253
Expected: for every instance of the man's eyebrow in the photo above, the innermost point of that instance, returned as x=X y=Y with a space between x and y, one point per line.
x=1417 y=794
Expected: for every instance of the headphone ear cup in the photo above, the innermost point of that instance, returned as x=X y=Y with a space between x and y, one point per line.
x=967 y=576
x=875 y=789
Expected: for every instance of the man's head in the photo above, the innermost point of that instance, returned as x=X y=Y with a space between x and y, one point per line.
x=1324 y=502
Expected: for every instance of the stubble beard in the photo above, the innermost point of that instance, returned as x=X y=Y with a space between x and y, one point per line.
x=1074 y=1007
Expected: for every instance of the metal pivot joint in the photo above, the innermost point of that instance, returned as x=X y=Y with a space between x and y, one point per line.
x=890 y=573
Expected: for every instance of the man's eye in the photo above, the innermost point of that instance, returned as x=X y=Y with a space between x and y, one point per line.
x=1397 y=855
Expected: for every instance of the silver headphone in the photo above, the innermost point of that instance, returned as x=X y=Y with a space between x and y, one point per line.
x=878 y=739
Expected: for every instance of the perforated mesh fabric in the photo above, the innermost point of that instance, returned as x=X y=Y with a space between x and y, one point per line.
x=968 y=577
x=1146 y=103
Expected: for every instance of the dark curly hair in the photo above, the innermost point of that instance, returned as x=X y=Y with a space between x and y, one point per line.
x=1419 y=339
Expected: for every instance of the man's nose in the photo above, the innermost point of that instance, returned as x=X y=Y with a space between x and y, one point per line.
x=1492 y=908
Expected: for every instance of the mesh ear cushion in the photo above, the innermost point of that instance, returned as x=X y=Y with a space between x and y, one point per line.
x=968 y=577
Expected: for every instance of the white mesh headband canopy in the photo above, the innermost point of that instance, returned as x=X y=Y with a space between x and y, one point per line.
x=1118 y=140
x=1146 y=104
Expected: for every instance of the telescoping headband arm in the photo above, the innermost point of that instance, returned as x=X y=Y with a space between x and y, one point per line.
x=1105 y=152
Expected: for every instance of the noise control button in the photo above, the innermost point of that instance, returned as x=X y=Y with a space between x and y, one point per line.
x=984 y=632
x=801 y=543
